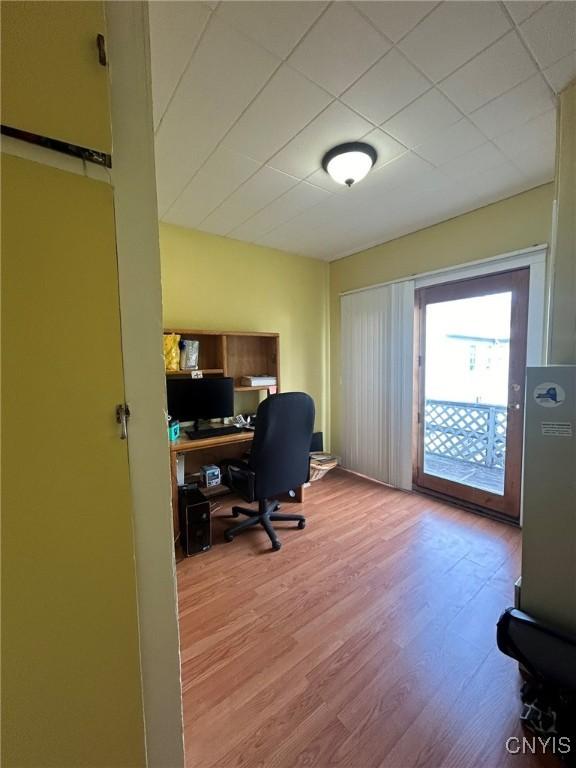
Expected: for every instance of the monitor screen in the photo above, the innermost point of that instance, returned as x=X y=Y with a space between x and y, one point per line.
x=194 y=399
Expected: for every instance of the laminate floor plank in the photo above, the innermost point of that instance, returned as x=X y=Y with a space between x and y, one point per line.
x=368 y=641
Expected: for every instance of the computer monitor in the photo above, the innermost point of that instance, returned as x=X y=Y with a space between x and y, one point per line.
x=196 y=399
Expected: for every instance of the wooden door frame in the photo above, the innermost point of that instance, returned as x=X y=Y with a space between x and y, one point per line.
x=518 y=280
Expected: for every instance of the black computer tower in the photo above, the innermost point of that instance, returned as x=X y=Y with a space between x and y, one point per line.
x=195 y=522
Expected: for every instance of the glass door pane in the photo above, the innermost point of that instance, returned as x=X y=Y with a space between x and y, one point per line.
x=466 y=390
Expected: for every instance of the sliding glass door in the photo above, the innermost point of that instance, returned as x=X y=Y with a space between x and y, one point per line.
x=470 y=389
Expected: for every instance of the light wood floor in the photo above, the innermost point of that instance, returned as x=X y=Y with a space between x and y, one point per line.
x=368 y=640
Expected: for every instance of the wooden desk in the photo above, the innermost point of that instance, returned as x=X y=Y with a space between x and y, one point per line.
x=214 y=448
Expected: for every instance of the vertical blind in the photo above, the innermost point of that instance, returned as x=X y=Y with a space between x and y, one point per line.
x=377 y=376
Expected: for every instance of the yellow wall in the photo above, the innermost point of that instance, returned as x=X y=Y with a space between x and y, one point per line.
x=214 y=283
x=509 y=225
x=70 y=656
x=56 y=87
x=71 y=677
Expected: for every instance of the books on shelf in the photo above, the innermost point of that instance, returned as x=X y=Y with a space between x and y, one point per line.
x=258 y=381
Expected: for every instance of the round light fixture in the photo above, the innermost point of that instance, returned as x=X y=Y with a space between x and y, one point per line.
x=349 y=163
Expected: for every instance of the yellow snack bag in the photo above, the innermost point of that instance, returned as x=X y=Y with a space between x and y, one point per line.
x=171 y=351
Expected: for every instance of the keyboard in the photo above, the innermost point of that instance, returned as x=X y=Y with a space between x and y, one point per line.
x=199 y=434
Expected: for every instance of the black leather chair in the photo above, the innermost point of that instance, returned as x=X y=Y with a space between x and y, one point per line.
x=279 y=462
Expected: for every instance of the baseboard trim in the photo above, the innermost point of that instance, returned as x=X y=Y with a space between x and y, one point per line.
x=466 y=506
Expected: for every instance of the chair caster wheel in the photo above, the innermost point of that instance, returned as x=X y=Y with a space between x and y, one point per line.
x=228 y=536
x=301 y=524
x=235 y=513
x=276 y=545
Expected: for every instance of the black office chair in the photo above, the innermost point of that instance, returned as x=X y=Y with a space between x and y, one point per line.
x=279 y=462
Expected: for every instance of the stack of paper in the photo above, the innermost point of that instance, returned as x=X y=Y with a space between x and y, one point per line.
x=258 y=381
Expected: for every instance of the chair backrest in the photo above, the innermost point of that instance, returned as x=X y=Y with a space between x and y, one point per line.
x=280 y=450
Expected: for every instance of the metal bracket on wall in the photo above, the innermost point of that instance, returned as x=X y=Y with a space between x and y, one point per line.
x=84 y=153
x=102 y=55
x=122 y=416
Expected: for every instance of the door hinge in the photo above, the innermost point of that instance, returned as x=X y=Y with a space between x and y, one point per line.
x=419 y=361
x=122 y=416
x=101 y=45
x=419 y=417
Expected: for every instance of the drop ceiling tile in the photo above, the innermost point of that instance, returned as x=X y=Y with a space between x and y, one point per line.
x=175 y=28
x=291 y=236
x=219 y=177
x=417 y=213
x=428 y=182
x=260 y=190
x=321 y=179
x=537 y=168
x=284 y=208
x=455 y=141
x=474 y=162
x=339 y=48
x=303 y=154
x=520 y=10
x=226 y=72
x=551 y=32
x=525 y=101
x=382 y=209
x=322 y=243
x=494 y=183
x=499 y=68
x=386 y=88
x=276 y=26
x=498 y=180
x=322 y=216
x=287 y=103
x=398 y=172
x=395 y=19
x=561 y=74
x=425 y=117
x=532 y=147
x=532 y=136
x=452 y=34
x=337 y=244
x=386 y=147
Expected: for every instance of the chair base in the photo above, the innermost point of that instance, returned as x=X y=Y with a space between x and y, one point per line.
x=266 y=514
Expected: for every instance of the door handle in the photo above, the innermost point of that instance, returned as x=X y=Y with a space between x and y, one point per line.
x=122 y=416
x=514 y=407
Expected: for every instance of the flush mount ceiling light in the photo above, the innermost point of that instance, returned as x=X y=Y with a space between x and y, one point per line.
x=349 y=163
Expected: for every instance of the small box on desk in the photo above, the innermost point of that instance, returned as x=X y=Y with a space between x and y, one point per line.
x=195 y=522
x=173 y=430
x=210 y=475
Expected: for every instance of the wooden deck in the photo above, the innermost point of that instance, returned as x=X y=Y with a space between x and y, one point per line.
x=475 y=475
x=368 y=640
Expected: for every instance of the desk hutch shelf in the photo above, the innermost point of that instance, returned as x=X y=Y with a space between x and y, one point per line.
x=235 y=354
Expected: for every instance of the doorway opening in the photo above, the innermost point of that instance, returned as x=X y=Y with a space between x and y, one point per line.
x=471 y=364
